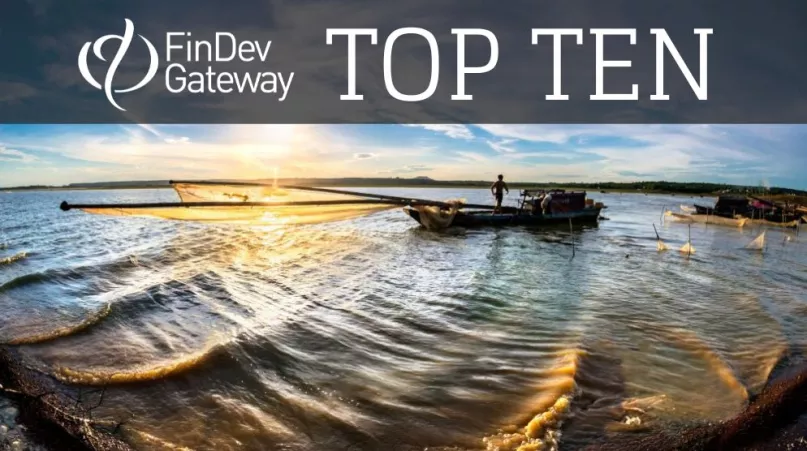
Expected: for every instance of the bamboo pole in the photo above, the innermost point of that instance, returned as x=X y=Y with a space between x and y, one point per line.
x=660 y=246
x=297 y=187
x=571 y=231
x=690 y=240
x=412 y=201
x=65 y=206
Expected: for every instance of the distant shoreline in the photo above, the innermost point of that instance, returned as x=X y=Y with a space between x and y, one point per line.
x=684 y=189
x=513 y=187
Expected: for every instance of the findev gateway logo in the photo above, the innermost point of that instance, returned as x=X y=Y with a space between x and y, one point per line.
x=224 y=48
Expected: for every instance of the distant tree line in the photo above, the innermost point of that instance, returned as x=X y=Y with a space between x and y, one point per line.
x=682 y=187
x=650 y=186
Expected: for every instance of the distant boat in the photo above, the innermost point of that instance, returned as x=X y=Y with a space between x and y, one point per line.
x=739 y=206
x=707 y=219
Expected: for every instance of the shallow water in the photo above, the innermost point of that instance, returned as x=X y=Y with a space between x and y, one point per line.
x=373 y=333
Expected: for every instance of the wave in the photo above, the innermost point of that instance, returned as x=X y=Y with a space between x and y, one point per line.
x=97 y=275
x=14 y=258
x=151 y=441
x=144 y=373
x=26 y=279
x=582 y=397
x=50 y=275
x=774 y=413
x=694 y=344
x=162 y=299
x=63 y=331
x=548 y=410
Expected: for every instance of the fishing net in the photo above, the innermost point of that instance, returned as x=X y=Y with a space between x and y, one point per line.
x=263 y=215
x=249 y=215
x=189 y=192
x=758 y=243
x=660 y=246
x=228 y=193
x=435 y=218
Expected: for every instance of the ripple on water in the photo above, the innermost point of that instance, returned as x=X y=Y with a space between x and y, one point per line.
x=372 y=332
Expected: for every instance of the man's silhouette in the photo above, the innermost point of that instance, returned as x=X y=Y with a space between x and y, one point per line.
x=498 y=189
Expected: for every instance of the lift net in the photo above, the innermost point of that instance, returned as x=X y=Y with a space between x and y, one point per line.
x=687 y=248
x=758 y=243
x=268 y=215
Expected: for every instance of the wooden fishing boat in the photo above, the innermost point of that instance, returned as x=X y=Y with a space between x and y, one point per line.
x=486 y=219
x=561 y=209
x=737 y=206
x=727 y=206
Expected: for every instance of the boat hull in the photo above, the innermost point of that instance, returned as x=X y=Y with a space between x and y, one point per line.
x=706 y=219
x=749 y=212
x=486 y=219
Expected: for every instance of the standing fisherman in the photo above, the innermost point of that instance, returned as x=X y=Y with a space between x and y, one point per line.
x=496 y=190
x=546 y=203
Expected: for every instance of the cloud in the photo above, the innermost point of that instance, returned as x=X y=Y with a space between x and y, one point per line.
x=15 y=156
x=180 y=140
x=472 y=156
x=559 y=134
x=569 y=176
x=218 y=151
x=624 y=151
x=561 y=155
x=742 y=154
x=501 y=146
x=451 y=130
x=150 y=128
x=407 y=169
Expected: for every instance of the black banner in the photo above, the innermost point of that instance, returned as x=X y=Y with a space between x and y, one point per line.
x=410 y=61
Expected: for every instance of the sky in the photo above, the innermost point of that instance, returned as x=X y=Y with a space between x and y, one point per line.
x=770 y=155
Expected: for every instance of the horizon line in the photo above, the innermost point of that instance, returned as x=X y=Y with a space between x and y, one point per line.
x=425 y=179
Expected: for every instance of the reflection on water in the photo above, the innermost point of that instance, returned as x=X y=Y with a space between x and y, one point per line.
x=372 y=333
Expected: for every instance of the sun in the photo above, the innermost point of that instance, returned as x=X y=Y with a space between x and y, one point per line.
x=263 y=150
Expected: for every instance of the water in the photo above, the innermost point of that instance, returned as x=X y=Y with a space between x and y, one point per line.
x=373 y=333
